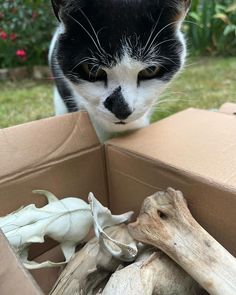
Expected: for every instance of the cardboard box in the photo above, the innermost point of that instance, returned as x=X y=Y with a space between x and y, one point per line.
x=194 y=151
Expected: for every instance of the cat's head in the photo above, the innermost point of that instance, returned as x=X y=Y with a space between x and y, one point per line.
x=119 y=55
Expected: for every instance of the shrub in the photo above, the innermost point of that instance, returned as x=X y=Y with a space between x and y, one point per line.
x=25 y=31
x=212 y=27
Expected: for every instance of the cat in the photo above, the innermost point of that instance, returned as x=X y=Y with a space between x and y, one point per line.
x=114 y=58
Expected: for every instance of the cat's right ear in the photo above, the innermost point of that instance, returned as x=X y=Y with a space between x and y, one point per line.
x=57 y=5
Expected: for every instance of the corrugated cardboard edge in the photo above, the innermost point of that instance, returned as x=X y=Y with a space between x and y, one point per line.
x=228 y=108
x=21 y=281
x=209 y=181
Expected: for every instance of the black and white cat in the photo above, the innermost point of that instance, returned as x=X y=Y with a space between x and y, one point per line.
x=115 y=57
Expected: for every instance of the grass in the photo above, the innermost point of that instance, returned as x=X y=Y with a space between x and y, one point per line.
x=24 y=101
x=205 y=83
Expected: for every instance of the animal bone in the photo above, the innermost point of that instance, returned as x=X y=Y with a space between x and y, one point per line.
x=91 y=267
x=153 y=273
x=166 y=223
x=67 y=221
x=102 y=219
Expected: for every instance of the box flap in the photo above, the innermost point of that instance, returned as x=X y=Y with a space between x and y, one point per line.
x=61 y=154
x=25 y=148
x=14 y=279
x=196 y=141
x=193 y=151
x=228 y=108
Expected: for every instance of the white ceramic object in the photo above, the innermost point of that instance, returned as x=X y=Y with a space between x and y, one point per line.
x=67 y=221
x=103 y=219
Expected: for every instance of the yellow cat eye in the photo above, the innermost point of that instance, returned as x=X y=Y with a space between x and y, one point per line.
x=149 y=72
x=93 y=71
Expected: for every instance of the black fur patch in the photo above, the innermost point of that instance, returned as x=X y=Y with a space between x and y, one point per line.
x=61 y=84
x=116 y=22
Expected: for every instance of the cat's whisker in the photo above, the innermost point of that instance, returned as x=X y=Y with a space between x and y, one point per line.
x=153 y=30
x=159 y=32
x=154 y=48
x=91 y=37
x=82 y=61
x=164 y=104
x=98 y=68
x=193 y=23
x=96 y=34
x=193 y=64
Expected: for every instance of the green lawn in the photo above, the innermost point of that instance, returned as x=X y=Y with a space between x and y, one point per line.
x=205 y=83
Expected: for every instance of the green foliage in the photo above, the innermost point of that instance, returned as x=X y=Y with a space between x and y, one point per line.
x=25 y=31
x=211 y=27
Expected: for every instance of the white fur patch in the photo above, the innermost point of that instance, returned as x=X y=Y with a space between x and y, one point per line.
x=91 y=96
x=60 y=107
x=141 y=98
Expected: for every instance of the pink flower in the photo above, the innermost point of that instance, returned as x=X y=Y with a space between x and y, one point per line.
x=13 y=36
x=3 y=35
x=34 y=15
x=21 y=53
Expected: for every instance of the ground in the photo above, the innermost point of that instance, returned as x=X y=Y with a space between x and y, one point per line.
x=205 y=83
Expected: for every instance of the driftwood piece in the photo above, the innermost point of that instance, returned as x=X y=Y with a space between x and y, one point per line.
x=91 y=267
x=166 y=223
x=153 y=273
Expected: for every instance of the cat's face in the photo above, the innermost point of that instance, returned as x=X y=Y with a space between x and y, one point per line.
x=119 y=55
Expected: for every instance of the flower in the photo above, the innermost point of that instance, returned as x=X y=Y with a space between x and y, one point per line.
x=13 y=36
x=34 y=15
x=3 y=35
x=21 y=53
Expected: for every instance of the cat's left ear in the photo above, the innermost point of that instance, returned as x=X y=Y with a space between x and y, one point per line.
x=183 y=7
x=57 y=5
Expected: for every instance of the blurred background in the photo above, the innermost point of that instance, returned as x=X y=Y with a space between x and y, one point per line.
x=26 y=28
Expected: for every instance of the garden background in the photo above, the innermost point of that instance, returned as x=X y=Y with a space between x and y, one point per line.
x=26 y=27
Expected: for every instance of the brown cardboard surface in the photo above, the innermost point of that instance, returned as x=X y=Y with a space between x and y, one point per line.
x=34 y=146
x=14 y=279
x=228 y=108
x=132 y=182
x=199 y=142
x=193 y=151
x=47 y=277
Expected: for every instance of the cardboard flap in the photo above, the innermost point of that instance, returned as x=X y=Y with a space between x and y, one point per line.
x=13 y=276
x=25 y=147
x=196 y=141
x=228 y=108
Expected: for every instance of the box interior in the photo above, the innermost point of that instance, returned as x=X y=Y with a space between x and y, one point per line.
x=178 y=151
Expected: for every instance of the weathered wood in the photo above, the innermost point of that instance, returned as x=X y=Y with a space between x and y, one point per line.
x=154 y=273
x=166 y=223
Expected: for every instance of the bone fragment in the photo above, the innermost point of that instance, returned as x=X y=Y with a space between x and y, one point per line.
x=89 y=270
x=166 y=223
x=153 y=273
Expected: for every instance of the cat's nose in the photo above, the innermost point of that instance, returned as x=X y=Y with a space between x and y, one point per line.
x=116 y=104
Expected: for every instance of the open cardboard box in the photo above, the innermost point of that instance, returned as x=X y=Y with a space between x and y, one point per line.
x=193 y=151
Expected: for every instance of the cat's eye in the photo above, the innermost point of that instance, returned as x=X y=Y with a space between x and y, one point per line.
x=151 y=72
x=94 y=73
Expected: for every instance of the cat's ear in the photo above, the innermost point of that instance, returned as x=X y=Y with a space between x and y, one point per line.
x=182 y=8
x=57 y=5
x=186 y=4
